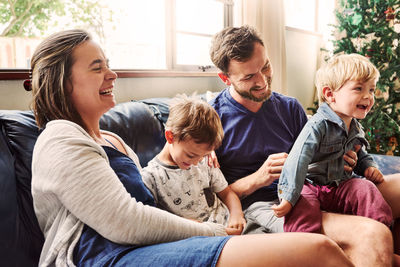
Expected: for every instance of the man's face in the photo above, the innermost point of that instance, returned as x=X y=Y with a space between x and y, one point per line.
x=252 y=79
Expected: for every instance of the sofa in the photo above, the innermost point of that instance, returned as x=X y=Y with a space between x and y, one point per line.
x=139 y=123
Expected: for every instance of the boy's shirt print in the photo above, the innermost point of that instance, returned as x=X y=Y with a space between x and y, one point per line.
x=188 y=193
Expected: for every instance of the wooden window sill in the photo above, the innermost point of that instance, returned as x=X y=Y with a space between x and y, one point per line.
x=22 y=74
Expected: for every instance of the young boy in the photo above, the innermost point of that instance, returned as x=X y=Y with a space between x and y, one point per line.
x=346 y=88
x=179 y=176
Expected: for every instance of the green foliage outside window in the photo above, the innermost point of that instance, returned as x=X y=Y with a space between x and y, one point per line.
x=31 y=18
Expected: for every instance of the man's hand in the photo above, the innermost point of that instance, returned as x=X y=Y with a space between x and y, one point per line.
x=282 y=209
x=374 y=175
x=213 y=160
x=272 y=168
x=351 y=159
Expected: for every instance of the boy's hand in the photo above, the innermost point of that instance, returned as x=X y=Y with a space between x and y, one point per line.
x=213 y=160
x=374 y=175
x=282 y=209
x=237 y=222
x=233 y=231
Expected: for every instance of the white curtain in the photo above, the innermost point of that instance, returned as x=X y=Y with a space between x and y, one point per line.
x=267 y=16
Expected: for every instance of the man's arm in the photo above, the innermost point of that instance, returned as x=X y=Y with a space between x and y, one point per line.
x=264 y=176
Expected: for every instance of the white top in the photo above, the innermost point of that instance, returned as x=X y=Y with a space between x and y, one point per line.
x=73 y=184
x=188 y=193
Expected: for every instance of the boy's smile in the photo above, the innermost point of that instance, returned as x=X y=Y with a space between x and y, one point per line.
x=353 y=100
x=185 y=153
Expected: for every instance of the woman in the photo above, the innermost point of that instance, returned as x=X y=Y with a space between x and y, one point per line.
x=91 y=203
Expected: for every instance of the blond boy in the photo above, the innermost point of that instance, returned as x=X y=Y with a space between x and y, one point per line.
x=346 y=87
x=179 y=176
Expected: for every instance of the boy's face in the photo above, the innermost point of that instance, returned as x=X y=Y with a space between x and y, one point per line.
x=187 y=152
x=354 y=99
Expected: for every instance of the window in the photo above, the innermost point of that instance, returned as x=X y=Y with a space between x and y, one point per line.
x=196 y=22
x=310 y=15
x=138 y=34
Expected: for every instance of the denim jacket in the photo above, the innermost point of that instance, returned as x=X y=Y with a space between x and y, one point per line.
x=317 y=154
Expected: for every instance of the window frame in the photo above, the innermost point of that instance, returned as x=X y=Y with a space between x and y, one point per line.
x=172 y=68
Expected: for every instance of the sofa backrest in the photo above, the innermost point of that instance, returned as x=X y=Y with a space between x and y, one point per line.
x=139 y=123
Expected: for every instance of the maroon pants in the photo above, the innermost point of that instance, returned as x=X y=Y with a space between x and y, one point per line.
x=354 y=196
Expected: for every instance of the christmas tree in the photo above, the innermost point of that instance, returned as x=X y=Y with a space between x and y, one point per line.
x=371 y=28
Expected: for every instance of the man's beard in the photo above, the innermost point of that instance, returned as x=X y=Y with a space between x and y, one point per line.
x=248 y=94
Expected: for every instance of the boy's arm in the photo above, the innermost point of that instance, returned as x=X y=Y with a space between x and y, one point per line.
x=295 y=169
x=231 y=200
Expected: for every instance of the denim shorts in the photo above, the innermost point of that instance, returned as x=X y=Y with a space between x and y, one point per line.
x=195 y=251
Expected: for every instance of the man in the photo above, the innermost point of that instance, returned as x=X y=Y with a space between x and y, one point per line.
x=260 y=128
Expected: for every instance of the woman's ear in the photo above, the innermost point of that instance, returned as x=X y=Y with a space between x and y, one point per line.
x=169 y=137
x=328 y=94
x=224 y=78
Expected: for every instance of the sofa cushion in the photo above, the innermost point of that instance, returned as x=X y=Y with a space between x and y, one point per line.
x=387 y=164
x=19 y=230
x=140 y=125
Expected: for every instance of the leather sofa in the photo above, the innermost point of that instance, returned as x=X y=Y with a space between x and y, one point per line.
x=139 y=123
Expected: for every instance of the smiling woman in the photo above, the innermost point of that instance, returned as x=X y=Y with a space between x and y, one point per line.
x=91 y=84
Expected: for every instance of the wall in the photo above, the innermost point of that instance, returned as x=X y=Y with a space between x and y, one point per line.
x=302 y=56
x=14 y=96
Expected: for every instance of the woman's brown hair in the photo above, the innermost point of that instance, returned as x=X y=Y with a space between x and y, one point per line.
x=51 y=70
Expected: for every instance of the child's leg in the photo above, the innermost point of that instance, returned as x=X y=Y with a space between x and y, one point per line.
x=306 y=215
x=362 y=197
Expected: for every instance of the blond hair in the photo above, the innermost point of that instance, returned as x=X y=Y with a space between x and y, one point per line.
x=191 y=117
x=342 y=68
x=51 y=70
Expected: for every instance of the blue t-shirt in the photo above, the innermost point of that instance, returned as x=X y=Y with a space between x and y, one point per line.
x=251 y=137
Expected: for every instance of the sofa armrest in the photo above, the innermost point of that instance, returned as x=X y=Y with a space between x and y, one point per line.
x=387 y=164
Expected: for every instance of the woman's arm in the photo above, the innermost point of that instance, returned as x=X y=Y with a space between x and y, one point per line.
x=73 y=167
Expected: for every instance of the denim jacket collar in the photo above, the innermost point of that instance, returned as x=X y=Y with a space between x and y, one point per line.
x=327 y=113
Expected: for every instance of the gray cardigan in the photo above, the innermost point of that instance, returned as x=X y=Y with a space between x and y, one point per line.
x=73 y=185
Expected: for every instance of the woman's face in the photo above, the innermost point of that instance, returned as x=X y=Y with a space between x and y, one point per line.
x=92 y=82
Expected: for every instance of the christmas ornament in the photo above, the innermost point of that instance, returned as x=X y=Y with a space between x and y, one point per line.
x=390 y=15
x=392 y=145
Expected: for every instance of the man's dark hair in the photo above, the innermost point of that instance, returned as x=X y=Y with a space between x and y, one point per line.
x=233 y=43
